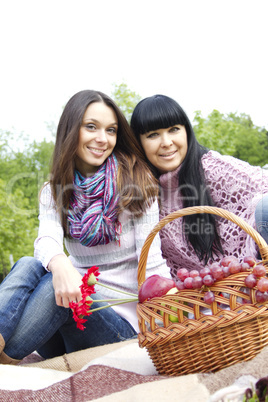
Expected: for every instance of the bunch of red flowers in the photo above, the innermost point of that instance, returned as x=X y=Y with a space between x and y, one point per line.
x=82 y=308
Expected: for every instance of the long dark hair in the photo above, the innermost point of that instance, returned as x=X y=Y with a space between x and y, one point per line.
x=134 y=178
x=157 y=112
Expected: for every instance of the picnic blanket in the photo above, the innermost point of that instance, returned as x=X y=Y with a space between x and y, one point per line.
x=122 y=372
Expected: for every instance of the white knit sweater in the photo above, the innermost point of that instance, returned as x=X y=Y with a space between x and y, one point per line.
x=117 y=262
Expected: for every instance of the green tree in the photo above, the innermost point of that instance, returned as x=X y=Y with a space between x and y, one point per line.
x=18 y=228
x=27 y=168
x=125 y=99
x=234 y=135
x=251 y=142
x=23 y=171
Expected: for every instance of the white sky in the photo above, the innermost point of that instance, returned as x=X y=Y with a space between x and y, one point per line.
x=207 y=54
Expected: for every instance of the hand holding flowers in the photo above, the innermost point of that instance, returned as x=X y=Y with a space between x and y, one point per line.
x=82 y=308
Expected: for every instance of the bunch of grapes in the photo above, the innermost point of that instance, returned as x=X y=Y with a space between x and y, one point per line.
x=257 y=278
x=229 y=265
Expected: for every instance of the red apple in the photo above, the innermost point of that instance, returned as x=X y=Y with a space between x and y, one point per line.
x=155 y=286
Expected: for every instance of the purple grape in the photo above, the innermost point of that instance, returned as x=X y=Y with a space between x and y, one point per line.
x=197 y=282
x=208 y=280
x=209 y=297
x=251 y=281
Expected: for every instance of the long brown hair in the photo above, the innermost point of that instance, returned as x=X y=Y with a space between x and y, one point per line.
x=136 y=185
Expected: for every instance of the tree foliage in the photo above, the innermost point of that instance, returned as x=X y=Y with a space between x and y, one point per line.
x=23 y=171
x=125 y=99
x=234 y=135
x=18 y=227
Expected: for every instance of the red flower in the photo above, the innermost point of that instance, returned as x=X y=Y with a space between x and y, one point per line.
x=79 y=322
x=82 y=308
x=89 y=280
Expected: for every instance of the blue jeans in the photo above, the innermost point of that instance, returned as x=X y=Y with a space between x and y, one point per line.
x=261 y=217
x=30 y=317
x=102 y=327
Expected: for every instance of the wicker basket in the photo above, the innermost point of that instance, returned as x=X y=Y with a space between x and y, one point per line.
x=234 y=327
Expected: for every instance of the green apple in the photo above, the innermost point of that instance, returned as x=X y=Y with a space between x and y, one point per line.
x=171 y=318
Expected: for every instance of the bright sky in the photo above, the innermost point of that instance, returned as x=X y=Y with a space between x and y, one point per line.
x=207 y=54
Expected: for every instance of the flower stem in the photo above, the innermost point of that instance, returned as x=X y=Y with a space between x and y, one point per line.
x=112 y=300
x=111 y=305
x=116 y=290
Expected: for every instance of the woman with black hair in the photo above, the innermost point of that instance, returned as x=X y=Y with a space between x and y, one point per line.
x=191 y=175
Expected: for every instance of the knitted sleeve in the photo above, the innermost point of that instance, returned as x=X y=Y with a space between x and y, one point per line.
x=237 y=187
x=234 y=184
x=49 y=241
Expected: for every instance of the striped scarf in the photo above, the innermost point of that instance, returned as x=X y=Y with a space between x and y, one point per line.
x=92 y=214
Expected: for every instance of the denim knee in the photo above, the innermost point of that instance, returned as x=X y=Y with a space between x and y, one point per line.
x=28 y=262
x=261 y=217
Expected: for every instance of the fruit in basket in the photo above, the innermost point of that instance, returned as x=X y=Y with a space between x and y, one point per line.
x=172 y=318
x=208 y=280
x=155 y=286
x=204 y=271
x=225 y=261
x=216 y=271
x=245 y=267
x=209 y=297
x=194 y=273
x=250 y=260
x=226 y=271
x=188 y=283
x=257 y=278
x=183 y=273
x=197 y=282
x=251 y=281
x=262 y=284
x=179 y=284
x=261 y=297
x=228 y=265
x=259 y=270
x=234 y=267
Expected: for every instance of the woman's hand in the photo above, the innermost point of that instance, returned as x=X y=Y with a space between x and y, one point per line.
x=66 y=280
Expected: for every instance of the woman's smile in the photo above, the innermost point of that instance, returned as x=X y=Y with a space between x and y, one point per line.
x=96 y=151
x=168 y=155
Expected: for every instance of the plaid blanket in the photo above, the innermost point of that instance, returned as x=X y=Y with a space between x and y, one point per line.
x=122 y=372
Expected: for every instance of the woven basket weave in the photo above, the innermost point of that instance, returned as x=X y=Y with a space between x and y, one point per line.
x=234 y=327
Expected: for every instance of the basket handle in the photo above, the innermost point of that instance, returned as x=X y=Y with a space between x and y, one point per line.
x=263 y=248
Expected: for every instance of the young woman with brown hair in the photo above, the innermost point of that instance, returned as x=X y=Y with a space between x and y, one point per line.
x=101 y=201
